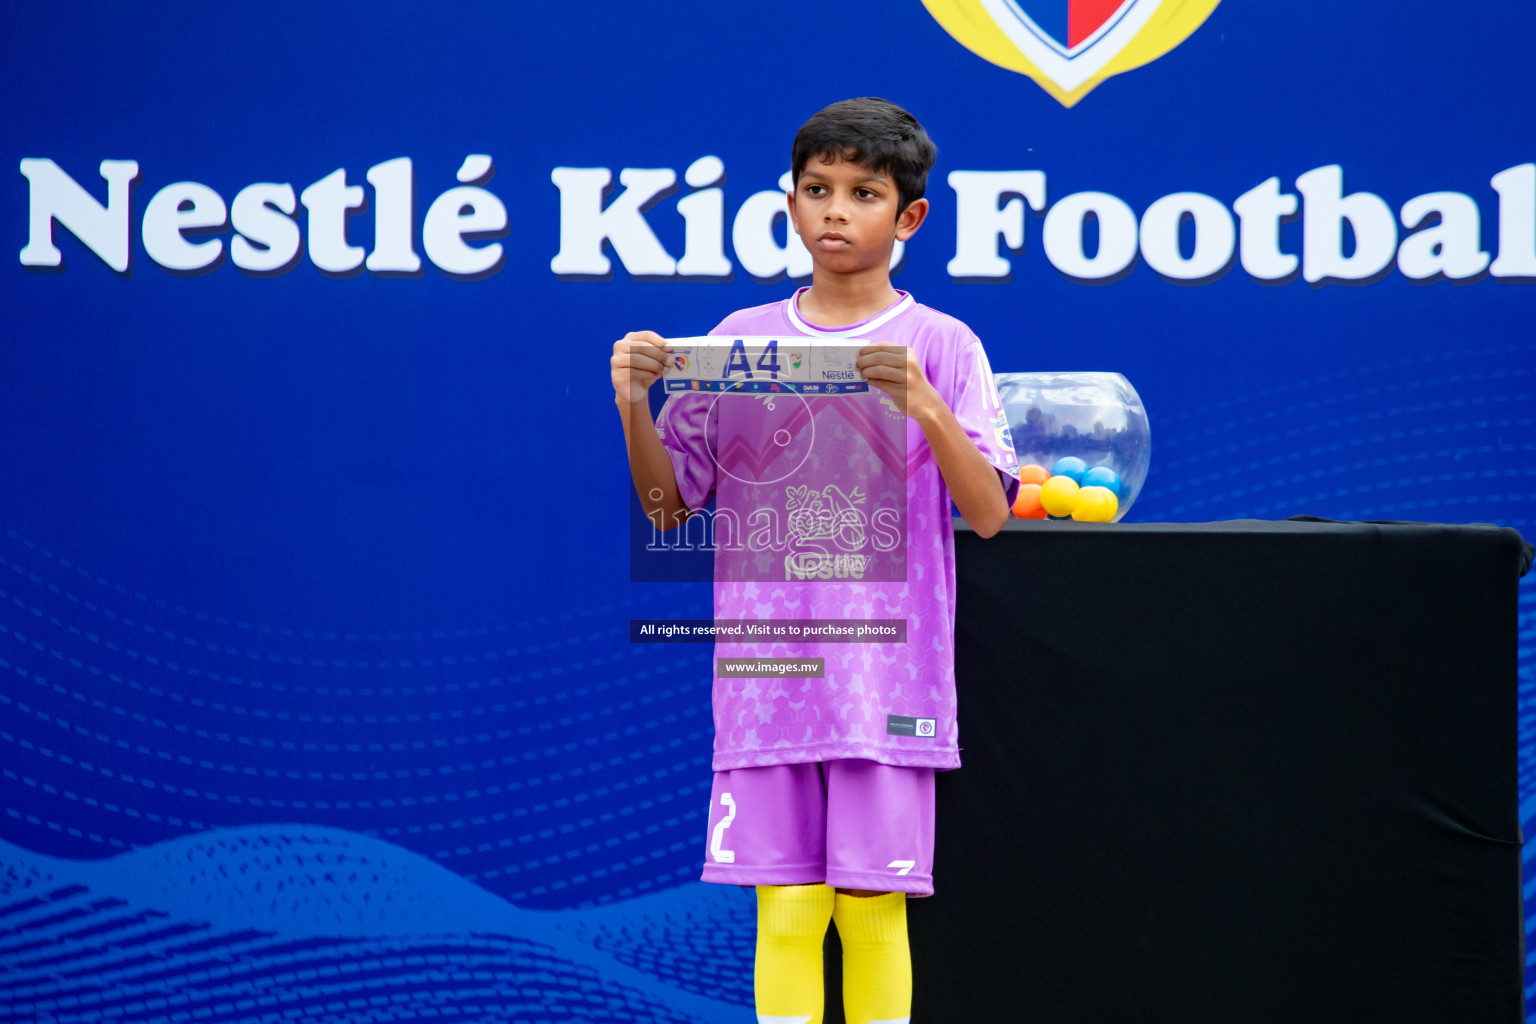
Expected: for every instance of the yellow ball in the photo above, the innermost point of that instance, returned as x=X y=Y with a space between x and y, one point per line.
x=1095 y=505
x=1059 y=495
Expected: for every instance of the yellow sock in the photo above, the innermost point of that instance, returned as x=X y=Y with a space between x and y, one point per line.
x=877 y=962
x=791 y=925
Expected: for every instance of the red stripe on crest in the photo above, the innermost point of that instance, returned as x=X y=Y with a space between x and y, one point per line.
x=1085 y=16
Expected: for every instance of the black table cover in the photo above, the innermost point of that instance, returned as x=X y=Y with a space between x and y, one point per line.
x=1245 y=771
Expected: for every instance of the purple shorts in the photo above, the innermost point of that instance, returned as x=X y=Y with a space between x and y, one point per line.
x=850 y=824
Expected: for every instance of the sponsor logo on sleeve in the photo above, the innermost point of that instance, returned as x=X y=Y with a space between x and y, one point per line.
x=1002 y=434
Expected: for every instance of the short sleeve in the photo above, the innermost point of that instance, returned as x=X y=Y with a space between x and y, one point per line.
x=685 y=428
x=979 y=410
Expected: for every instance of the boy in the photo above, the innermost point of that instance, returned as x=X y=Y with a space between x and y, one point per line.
x=823 y=793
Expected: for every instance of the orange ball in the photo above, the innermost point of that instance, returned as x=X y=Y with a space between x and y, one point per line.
x=1033 y=473
x=1027 y=504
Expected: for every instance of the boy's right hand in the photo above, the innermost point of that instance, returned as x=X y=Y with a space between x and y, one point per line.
x=638 y=359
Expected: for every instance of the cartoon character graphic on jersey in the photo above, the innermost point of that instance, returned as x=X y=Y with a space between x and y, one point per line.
x=828 y=514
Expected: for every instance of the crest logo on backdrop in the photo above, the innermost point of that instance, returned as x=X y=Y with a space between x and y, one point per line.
x=1069 y=46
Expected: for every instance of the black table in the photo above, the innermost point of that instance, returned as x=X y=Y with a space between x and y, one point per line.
x=1245 y=771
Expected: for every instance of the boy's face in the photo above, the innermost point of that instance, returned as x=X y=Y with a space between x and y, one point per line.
x=845 y=213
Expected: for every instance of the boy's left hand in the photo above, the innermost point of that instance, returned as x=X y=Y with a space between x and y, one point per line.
x=895 y=370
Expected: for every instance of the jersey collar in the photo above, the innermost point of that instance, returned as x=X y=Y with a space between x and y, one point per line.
x=859 y=330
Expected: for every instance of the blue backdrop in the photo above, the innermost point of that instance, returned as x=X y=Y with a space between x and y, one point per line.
x=314 y=684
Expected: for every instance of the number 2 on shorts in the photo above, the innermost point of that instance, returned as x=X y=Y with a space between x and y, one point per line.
x=717 y=840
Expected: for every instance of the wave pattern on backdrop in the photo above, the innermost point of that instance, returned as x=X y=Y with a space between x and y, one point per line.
x=136 y=724
x=278 y=921
x=315 y=695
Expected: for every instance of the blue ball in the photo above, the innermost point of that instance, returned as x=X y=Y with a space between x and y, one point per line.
x=1070 y=467
x=1102 y=476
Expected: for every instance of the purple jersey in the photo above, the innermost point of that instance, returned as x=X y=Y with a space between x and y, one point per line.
x=885 y=702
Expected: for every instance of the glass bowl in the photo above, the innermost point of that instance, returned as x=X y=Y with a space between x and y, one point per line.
x=1095 y=417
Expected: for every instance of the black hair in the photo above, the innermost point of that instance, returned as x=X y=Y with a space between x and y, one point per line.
x=873 y=132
